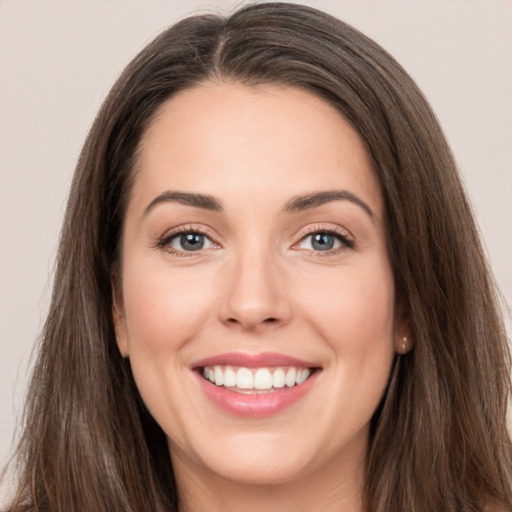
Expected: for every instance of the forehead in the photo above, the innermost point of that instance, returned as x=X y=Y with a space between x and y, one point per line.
x=276 y=141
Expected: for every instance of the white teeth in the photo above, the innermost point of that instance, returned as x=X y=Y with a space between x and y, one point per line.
x=255 y=379
x=302 y=375
x=278 y=378
x=290 y=377
x=244 y=379
x=262 y=379
x=229 y=378
x=219 y=376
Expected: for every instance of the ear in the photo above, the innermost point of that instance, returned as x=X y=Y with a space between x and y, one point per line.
x=403 y=342
x=119 y=318
x=403 y=339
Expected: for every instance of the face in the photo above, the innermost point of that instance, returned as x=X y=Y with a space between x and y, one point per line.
x=256 y=301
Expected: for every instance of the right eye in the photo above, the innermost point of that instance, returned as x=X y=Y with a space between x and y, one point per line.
x=186 y=242
x=322 y=241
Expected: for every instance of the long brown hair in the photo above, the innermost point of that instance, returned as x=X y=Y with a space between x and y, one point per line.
x=438 y=439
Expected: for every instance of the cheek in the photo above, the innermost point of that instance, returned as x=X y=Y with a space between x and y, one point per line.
x=355 y=318
x=163 y=308
x=353 y=309
x=349 y=311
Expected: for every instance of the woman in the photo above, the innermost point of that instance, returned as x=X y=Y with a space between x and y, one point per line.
x=266 y=226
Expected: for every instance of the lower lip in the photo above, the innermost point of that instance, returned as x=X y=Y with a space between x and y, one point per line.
x=255 y=405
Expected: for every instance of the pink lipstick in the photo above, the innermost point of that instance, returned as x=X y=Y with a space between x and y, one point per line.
x=255 y=385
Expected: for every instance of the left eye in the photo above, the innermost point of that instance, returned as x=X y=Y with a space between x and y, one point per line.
x=189 y=242
x=323 y=241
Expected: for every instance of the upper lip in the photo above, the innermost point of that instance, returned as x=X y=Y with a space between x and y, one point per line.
x=261 y=360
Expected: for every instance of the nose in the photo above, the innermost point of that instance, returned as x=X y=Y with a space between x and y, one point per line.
x=255 y=298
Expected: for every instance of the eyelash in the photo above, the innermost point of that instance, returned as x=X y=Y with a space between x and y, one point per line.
x=342 y=236
x=165 y=241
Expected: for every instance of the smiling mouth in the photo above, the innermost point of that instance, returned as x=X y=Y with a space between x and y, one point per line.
x=245 y=380
x=255 y=385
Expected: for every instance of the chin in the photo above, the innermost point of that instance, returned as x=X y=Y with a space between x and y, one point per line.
x=253 y=469
x=270 y=457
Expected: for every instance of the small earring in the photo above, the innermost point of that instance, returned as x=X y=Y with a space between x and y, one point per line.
x=404 y=344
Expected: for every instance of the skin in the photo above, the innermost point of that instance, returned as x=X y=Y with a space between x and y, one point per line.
x=257 y=286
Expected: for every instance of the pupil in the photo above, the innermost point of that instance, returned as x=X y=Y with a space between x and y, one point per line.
x=192 y=241
x=323 y=242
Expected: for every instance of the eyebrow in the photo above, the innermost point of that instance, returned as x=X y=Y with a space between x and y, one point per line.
x=296 y=204
x=203 y=201
x=301 y=203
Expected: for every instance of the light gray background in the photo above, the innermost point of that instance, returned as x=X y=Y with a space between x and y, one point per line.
x=58 y=59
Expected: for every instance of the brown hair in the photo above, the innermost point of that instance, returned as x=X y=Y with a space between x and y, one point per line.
x=438 y=439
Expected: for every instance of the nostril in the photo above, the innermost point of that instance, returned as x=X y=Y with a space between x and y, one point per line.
x=267 y=321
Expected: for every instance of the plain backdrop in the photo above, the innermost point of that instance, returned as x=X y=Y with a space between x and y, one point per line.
x=58 y=60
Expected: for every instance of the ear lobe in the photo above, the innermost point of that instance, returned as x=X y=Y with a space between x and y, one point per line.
x=403 y=339
x=119 y=320
x=403 y=343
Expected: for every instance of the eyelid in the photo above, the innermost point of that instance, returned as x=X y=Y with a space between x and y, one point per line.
x=324 y=227
x=162 y=242
x=346 y=238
